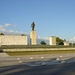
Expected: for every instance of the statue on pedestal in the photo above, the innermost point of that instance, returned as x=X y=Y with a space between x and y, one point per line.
x=33 y=25
x=33 y=34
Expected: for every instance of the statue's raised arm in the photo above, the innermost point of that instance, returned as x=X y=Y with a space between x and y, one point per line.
x=33 y=25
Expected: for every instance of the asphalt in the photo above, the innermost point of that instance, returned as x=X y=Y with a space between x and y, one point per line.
x=57 y=69
x=49 y=64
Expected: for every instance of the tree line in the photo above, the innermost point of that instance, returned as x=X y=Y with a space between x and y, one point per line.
x=59 y=41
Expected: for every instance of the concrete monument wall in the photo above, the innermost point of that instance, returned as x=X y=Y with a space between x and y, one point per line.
x=52 y=40
x=13 y=40
x=33 y=37
x=66 y=43
x=0 y=39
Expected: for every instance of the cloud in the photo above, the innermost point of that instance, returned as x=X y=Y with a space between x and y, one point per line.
x=1 y=26
x=9 y=31
x=6 y=25
x=42 y=38
x=38 y=37
x=72 y=39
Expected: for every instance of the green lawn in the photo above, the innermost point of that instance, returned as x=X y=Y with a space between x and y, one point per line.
x=19 y=53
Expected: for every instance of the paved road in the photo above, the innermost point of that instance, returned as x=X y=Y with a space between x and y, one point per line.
x=60 y=69
x=59 y=64
x=6 y=60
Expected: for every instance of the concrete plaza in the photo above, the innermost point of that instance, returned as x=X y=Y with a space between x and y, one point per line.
x=49 y=64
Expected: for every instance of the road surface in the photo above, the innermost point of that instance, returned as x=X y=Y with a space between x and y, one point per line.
x=38 y=65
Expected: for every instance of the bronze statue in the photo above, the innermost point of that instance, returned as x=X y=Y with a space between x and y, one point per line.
x=33 y=25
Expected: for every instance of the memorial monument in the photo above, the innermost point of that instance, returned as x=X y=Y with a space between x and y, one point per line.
x=13 y=40
x=52 y=40
x=66 y=43
x=33 y=35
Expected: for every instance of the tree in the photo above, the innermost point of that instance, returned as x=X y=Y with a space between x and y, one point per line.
x=42 y=43
x=60 y=41
x=70 y=44
x=64 y=40
x=22 y=34
x=1 y=34
x=73 y=44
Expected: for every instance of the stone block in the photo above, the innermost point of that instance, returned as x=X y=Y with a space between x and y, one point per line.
x=33 y=37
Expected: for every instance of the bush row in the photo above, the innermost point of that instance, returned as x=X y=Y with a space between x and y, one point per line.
x=33 y=46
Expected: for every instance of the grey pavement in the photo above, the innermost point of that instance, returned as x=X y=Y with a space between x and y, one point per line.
x=49 y=64
x=57 y=69
x=36 y=60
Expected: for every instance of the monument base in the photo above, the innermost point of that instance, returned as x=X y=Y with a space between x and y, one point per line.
x=52 y=40
x=33 y=37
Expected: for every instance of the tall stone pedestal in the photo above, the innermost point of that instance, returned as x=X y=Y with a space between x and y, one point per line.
x=52 y=40
x=33 y=37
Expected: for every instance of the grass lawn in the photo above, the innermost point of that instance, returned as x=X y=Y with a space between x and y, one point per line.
x=19 y=53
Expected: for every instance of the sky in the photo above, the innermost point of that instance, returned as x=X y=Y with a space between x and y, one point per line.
x=51 y=17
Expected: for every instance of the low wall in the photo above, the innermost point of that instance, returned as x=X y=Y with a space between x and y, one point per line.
x=38 y=49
